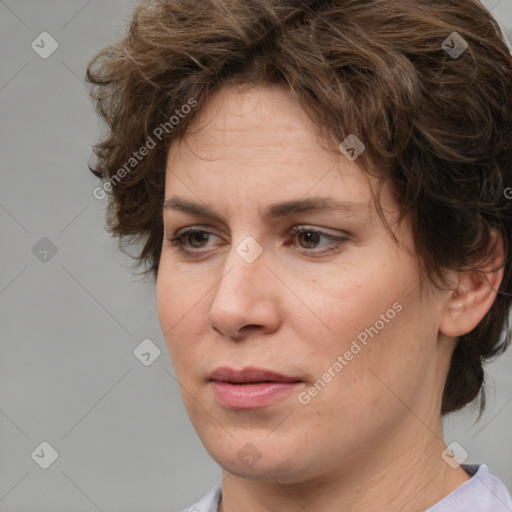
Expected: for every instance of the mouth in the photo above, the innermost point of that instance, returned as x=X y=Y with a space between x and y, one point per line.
x=250 y=388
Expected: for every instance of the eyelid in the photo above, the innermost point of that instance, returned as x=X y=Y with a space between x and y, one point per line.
x=336 y=241
x=295 y=229
x=329 y=233
x=177 y=238
x=335 y=246
x=194 y=229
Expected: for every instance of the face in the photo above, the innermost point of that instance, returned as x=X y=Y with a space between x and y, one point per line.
x=274 y=259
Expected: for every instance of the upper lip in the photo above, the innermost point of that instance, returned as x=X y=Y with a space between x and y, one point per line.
x=249 y=374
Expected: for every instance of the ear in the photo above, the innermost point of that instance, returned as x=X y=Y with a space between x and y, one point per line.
x=474 y=293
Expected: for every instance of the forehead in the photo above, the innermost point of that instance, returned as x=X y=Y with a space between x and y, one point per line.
x=260 y=140
x=270 y=112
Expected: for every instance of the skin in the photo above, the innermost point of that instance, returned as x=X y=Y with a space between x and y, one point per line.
x=371 y=439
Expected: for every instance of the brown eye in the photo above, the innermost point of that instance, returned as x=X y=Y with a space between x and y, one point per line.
x=313 y=241
x=197 y=238
x=191 y=239
x=310 y=238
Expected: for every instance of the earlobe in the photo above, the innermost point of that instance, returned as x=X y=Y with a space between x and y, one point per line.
x=473 y=295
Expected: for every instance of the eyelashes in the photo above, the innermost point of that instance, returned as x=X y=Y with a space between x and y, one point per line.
x=193 y=240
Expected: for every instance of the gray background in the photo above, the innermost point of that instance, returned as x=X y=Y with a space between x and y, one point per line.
x=70 y=321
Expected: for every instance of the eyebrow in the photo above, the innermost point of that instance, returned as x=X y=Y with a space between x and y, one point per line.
x=272 y=211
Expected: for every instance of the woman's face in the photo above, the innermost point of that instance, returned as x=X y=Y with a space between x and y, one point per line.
x=335 y=309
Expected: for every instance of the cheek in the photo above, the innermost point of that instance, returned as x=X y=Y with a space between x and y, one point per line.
x=347 y=304
x=376 y=323
x=181 y=310
x=179 y=290
x=382 y=361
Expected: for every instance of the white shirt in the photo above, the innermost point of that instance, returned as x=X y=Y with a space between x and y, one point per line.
x=483 y=492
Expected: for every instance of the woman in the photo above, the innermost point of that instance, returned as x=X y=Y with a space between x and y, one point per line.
x=319 y=189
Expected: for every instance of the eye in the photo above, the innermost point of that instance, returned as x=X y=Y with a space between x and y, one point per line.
x=191 y=238
x=310 y=238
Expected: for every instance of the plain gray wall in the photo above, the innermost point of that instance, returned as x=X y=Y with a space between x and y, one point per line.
x=70 y=321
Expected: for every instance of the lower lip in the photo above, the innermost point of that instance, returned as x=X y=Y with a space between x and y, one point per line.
x=251 y=396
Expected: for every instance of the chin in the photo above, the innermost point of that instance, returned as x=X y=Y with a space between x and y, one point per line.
x=261 y=460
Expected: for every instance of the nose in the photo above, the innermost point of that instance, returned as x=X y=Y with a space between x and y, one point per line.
x=246 y=299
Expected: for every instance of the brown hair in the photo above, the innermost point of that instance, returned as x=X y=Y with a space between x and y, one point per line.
x=437 y=126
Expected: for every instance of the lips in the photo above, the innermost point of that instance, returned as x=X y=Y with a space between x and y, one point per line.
x=249 y=375
x=250 y=388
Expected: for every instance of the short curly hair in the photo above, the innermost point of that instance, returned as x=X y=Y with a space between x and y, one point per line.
x=426 y=84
